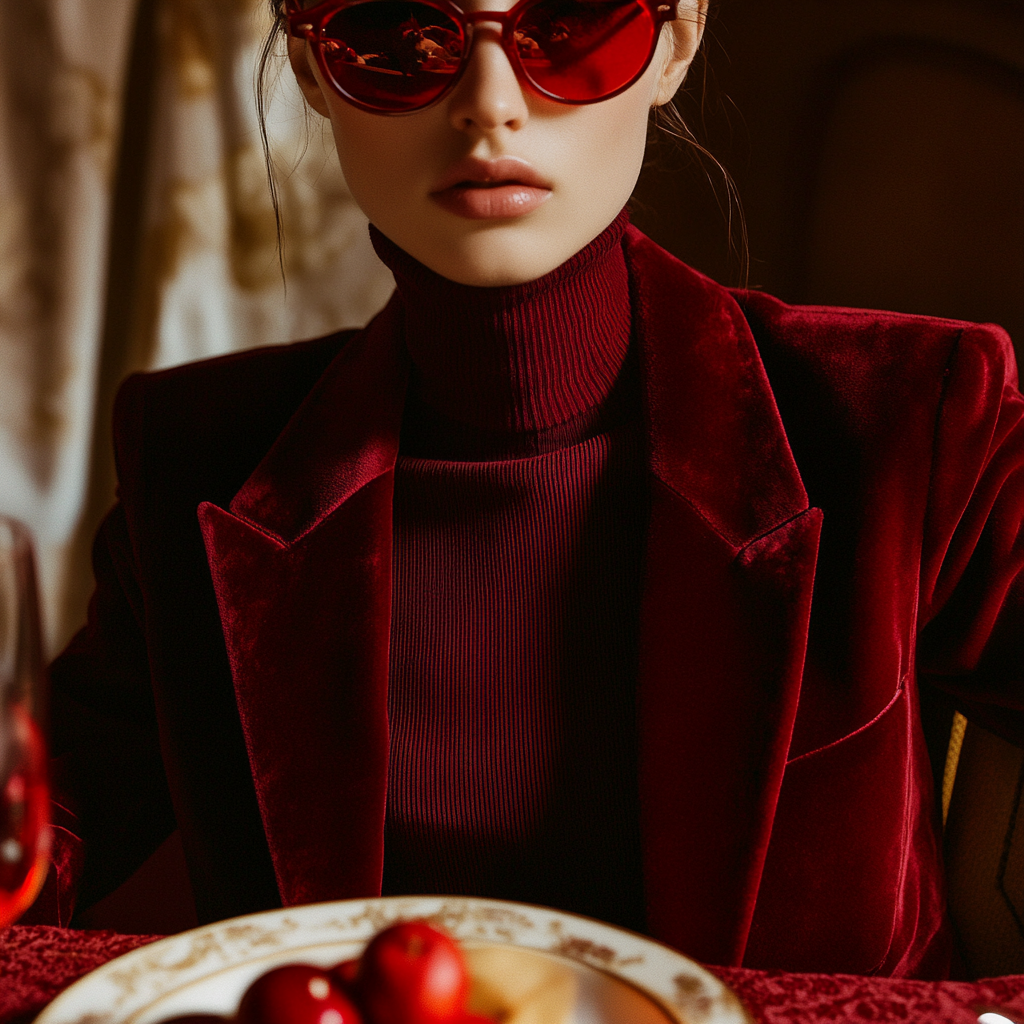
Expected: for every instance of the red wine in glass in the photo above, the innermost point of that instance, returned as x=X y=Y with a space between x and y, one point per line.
x=24 y=797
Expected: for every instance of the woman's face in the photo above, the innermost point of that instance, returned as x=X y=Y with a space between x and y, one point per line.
x=427 y=179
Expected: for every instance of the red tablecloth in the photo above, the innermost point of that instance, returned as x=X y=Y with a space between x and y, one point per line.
x=37 y=963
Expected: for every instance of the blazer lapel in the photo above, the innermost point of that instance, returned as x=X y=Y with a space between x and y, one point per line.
x=301 y=566
x=731 y=557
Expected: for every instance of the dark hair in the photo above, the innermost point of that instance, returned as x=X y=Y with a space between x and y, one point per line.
x=667 y=118
x=262 y=87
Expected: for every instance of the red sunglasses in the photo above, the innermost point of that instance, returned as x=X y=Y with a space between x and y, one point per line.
x=396 y=56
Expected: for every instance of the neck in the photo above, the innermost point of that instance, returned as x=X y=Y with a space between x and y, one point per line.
x=527 y=359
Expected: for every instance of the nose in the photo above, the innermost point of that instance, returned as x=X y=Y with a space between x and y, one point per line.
x=488 y=95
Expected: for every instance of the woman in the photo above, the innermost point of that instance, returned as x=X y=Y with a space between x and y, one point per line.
x=574 y=577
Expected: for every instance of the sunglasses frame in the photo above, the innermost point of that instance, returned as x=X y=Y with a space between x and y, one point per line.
x=311 y=22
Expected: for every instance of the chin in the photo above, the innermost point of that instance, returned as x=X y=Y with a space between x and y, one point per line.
x=501 y=272
x=500 y=257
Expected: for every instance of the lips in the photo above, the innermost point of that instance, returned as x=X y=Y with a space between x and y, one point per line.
x=491 y=189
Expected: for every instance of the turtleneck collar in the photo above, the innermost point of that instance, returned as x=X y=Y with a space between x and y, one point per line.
x=536 y=360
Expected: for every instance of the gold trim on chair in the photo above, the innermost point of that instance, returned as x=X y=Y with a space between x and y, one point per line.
x=956 y=740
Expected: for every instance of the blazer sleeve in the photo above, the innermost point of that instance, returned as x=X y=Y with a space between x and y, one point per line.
x=971 y=615
x=111 y=806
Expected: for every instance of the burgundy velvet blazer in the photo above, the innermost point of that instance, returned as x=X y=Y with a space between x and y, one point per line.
x=836 y=508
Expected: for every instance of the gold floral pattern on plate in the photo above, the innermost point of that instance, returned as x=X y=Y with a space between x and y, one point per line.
x=206 y=970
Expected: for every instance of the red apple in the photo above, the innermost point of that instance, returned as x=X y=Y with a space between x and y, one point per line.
x=296 y=994
x=347 y=973
x=411 y=973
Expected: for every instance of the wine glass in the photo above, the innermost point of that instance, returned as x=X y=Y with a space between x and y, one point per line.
x=24 y=797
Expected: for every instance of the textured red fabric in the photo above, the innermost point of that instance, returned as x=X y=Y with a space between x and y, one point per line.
x=38 y=963
x=523 y=358
x=810 y=472
x=516 y=589
x=513 y=679
x=774 y=997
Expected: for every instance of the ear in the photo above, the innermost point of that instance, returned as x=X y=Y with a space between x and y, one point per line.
x=683 y=36
x=306 y=74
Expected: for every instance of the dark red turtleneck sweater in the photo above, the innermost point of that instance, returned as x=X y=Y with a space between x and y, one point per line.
x=519 y=515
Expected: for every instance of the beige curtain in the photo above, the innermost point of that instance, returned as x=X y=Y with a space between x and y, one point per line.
x=136 y=232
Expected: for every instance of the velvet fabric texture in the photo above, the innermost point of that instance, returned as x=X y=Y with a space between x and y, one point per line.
x=836 y=508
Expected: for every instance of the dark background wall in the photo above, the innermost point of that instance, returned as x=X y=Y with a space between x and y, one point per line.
x=878 y=148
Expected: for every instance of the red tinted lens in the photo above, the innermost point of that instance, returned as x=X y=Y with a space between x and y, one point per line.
x=392 y=55
x=582 y=50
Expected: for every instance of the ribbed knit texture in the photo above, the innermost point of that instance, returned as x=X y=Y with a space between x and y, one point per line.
x=518 y=360
x=516 y=596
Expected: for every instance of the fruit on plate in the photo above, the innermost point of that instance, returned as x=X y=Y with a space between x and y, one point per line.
x=411 y=973
x=520 y=986
x=297 y=994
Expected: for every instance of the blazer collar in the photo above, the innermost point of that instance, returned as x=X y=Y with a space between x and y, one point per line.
x=732 y=550
x=714 y=432
x=715 y=435
x=344 y=435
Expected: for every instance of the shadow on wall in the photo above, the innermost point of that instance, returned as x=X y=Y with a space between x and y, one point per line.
x=880 y=158
x=930 y=217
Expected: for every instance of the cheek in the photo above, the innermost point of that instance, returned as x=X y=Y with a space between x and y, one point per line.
x=382 y=158
x=365 y=158
x=609 y=147
x=618 y=129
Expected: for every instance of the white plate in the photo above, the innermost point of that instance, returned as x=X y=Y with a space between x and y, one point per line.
x=206 y=970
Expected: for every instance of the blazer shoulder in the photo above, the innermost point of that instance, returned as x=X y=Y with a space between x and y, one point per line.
x=835 y=342
x=251 y=373
x=853 y=358
x=215 y=415
x=861 y=387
